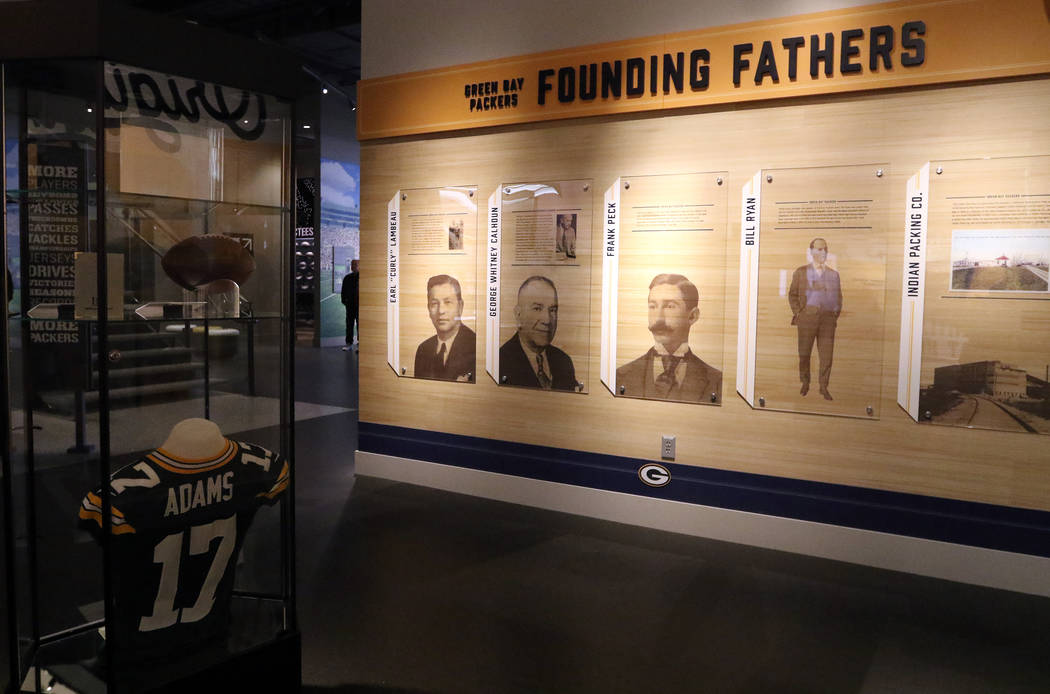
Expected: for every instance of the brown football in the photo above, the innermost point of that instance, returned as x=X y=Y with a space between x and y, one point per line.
x=202 y=259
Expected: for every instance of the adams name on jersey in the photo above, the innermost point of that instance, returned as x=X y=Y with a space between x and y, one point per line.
x=177 y=528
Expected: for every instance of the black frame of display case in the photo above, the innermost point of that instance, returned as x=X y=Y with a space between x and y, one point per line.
x=101 y=31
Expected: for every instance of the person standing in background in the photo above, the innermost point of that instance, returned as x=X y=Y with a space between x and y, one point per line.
x=348 y=295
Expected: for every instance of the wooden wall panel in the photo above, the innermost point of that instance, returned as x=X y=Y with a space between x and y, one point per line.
x=902 y=129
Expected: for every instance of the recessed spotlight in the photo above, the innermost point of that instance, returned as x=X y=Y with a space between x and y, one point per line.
x=90 y=110
x=306 y=127
x=324 y=90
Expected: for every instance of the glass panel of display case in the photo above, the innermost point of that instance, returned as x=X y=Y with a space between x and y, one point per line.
x=8 y=153
x=55 y=420
x=438 y=283
x=986 y=314
x=671 y=287
x=196 y=191
x=821 y=290
x=198 y=208
x=545 y=285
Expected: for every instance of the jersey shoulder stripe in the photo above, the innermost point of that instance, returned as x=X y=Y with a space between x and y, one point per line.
x=280 y=485
x=91 y=510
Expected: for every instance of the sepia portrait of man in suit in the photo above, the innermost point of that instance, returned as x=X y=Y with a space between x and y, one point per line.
x=528 y=358
x=815 y=298
x=449 y=354
x=670 y=370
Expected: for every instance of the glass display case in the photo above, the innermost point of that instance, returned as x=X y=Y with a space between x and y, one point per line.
x=147 y=508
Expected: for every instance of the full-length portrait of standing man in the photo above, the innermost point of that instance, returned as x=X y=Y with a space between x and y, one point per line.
x=815 y=297
x=528 y=358
x=670 y=370
x=449 y=354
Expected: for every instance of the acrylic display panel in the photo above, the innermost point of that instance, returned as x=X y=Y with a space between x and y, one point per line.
x=986 y=322
x=545 y=284
x=819 y=343
x=672 y=232
x=437 y=283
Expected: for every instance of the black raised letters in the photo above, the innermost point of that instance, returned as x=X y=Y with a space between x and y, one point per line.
x=612 y=79
x=699 y=74
x=674 y=72
x=880 y=45
x=767 y=64
x=635 y=76
x=848 y=51
x=816 y=54
x=740 y=63
x=566 y=85
x=588 y=81
x=544 y=86
x=793 y=44
x=908 y=40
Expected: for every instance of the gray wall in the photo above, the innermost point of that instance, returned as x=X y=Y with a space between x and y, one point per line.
x=408 y=35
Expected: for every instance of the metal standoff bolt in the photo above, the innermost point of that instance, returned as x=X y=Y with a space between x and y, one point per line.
x=761 y=402
x=878 y=173
x=626 y=184
x=769 y=178
x=586 y=187
x=404 y=196
x=940 y=170
x=714 y=397
x=502 y=379
x=470 y=375
x=927 y=415
x=507 y=191
x=623 y=390
x=470 y=193
x=870 y=410
x=114 y=355
x=403 y=370
x=718 y=180
x=579 y=386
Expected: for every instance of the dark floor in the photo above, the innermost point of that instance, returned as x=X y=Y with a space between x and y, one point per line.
x=408 y=589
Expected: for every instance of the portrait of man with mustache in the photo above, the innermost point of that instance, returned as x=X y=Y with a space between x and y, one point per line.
x=670 y=370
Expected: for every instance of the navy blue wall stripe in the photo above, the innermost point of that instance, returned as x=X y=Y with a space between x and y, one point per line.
x=969 y=523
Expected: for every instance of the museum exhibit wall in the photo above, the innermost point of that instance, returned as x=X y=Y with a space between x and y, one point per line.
x=873 y=468
x=340 y=210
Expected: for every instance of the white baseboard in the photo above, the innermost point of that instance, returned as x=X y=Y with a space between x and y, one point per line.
x=975 y=565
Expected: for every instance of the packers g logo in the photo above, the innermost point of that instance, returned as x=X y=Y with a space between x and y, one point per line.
x=654 y=475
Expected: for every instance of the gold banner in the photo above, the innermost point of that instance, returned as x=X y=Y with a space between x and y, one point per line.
x=880 y=46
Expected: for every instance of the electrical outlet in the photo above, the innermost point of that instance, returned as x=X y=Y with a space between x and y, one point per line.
x=667 y=448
